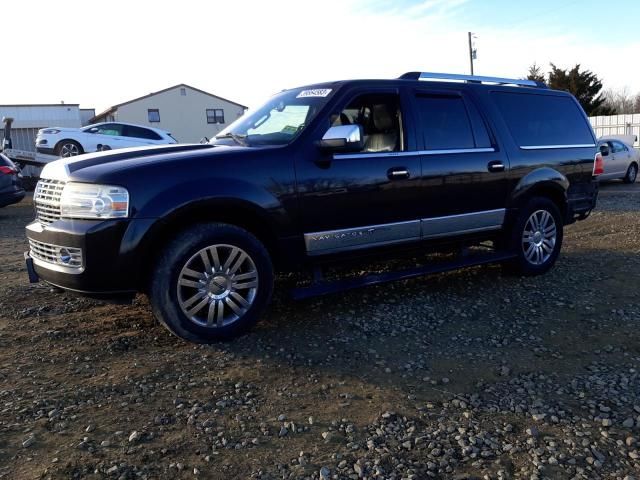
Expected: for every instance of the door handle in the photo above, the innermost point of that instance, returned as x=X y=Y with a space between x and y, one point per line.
x=495 y=166
x=398 y=173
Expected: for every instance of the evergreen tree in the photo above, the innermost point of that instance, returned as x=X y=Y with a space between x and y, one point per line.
x=584 y=85
x=536 y=74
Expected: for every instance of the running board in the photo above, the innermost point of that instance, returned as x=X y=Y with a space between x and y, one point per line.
x=322 y=287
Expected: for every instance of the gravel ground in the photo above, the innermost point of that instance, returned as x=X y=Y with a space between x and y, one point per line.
x=471 y=374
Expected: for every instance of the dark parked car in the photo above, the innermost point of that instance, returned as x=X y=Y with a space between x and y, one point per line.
x=320 y=174
x=11 y=189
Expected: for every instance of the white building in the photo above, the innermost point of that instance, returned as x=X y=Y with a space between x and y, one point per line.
x=28 y=119
x=187 y=113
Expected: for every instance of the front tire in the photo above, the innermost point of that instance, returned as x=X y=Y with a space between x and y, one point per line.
x=632 y=174
x=536 y=237
x=68 y=148
x=212 y=282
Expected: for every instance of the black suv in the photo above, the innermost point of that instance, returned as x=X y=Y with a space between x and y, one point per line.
x=319 y=174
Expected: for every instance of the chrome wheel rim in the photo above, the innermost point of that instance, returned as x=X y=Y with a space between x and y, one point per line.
x=539 y=237
x=69 y=150
x=217 y=286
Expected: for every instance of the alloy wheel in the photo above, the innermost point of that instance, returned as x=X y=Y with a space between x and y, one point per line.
x=69 y=150
x=539 y=237
x=217 y=286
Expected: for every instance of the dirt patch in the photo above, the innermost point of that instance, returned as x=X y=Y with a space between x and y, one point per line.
x=460 y=375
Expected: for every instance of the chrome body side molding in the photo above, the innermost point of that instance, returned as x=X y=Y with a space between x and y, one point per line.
x=334 y=241
x=412 y=153
x=551 y=147
x=462 y=224
x=331 y=241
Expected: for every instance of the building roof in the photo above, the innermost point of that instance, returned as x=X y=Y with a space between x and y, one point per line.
x=40 y=105
x=115 y=107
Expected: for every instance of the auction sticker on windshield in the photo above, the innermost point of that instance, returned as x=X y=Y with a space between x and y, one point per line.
x=316 y=92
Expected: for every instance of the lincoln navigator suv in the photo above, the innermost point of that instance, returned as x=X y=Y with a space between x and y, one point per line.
x=320 y=175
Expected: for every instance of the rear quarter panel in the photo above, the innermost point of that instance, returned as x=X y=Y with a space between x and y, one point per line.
x=563 y=167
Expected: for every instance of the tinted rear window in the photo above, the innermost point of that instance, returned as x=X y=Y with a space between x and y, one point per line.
x=543 y=120
x=139 y=132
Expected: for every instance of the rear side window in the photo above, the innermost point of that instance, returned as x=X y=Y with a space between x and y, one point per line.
x=543 y=120
x=444 y=122
x=139 y=132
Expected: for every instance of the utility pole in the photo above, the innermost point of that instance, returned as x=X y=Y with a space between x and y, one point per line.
x=472 y=52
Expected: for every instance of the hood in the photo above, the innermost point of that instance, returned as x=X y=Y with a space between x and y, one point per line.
x=64 y=168
x=62 y=129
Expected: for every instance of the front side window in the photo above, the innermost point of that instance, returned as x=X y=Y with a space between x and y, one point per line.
x=154 y=115
x=278 y=122
x=380 y=118
x=618 y=147
x=112 y=129
x=215 y=115
x=444 y=122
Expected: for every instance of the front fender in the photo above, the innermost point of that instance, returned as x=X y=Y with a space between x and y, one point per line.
x=162 y=203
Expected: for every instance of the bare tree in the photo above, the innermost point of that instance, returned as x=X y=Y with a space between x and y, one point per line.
x=622 y=100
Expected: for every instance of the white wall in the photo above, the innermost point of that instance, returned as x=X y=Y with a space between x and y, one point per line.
x=28 y=119
x=184 y=116
x=617 y=125
x=40 y=116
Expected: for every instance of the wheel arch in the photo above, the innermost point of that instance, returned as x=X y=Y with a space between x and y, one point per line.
x=236 y=212
x=542 y=182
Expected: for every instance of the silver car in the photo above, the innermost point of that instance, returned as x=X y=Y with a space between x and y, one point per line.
x=620 y=159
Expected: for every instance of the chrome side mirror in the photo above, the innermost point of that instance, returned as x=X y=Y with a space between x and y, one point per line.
x=343 y=138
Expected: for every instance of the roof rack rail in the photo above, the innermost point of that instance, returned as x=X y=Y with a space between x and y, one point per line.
x=471 y=79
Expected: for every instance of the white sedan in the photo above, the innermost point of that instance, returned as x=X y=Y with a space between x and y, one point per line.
x=68 y=142
x=621 y=159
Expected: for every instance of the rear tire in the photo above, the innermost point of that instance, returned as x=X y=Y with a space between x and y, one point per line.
x=632 y=174
x=536 y=237
x=212 y=282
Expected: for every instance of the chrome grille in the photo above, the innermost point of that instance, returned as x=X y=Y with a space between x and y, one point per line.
x=46 y=199
x=64 y=256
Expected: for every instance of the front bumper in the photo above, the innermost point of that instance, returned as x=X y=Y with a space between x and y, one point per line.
x=110 y=261
x=45 y=150
x=11 y=197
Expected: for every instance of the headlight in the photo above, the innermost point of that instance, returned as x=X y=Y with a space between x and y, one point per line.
x=50 y=131
x=87 y=200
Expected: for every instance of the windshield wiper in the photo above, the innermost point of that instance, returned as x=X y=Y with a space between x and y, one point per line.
x=239 y=139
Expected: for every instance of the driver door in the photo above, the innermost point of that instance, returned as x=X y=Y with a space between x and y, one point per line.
x=108 y=134
x=366 y=198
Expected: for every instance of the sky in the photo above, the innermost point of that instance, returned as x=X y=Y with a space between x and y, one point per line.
x=245 y=50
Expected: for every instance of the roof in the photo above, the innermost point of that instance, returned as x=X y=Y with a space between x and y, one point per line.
x=41 y=105
x=115 y=107
x=158 y=130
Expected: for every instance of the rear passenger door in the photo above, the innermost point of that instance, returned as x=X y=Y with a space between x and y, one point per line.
x=464 y=173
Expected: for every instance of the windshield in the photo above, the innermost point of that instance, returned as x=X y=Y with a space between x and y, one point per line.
x=278 y=122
